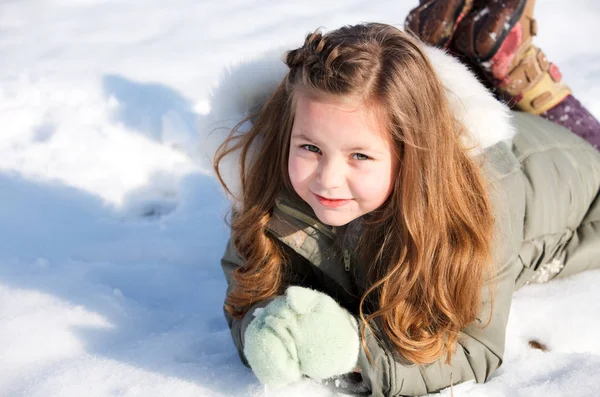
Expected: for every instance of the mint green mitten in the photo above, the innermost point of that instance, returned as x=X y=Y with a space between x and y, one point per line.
x=303 y=332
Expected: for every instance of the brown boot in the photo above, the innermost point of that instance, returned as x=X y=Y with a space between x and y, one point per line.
x=496 y=36
x=434 y=21
x=489 y=22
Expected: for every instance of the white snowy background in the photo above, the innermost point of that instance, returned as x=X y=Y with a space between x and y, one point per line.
x=111 y=228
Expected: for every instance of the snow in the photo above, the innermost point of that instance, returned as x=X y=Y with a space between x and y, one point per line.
x=112 y=229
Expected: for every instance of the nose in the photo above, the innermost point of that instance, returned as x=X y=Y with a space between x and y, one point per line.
x=331 y=174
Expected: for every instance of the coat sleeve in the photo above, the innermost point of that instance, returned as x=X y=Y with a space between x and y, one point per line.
x=480 y=348
x=229 y=262
x=298 y=273
x=478 y=354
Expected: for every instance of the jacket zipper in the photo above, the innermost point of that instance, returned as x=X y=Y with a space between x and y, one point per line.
x=315 y=224
x=346 y=255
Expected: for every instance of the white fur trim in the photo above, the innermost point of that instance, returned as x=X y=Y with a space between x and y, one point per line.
x=243 y=88
x=486 y=120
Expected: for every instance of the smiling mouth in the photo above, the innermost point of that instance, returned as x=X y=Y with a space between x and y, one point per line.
x=332 y=203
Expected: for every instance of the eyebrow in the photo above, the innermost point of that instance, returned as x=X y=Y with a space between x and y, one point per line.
x=357 y=148
x=302 y=136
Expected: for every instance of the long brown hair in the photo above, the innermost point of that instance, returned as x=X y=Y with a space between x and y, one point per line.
x=427 y=249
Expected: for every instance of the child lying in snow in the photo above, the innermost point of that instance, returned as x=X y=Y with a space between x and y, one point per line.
x=387 y=206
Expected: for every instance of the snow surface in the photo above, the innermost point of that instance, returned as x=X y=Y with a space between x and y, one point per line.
x=112 y=232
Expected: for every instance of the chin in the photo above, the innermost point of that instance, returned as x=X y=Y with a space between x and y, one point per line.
x=334 y=219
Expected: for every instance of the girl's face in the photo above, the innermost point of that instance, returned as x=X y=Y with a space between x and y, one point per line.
x=341 y=161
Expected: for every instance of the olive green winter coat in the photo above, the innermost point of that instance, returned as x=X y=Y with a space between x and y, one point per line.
x=544 y=185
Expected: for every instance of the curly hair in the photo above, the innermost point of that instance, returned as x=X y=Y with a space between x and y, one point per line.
x=427 y=249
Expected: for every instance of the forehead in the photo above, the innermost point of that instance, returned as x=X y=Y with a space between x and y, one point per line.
x=344 y=116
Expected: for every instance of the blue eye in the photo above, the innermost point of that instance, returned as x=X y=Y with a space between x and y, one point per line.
x=360 y=156
x=311 y=148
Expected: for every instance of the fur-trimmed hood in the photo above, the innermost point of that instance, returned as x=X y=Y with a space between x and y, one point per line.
x=243 y=88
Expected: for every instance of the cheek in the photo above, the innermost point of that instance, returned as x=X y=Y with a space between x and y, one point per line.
x=300 y=171
x=376 y=184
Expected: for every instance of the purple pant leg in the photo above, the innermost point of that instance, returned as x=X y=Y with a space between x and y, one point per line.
x=571 y=114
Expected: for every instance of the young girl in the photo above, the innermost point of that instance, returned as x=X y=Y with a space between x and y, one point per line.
x=386 y=207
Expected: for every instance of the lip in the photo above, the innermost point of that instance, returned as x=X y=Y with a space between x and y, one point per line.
x=331 y=203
